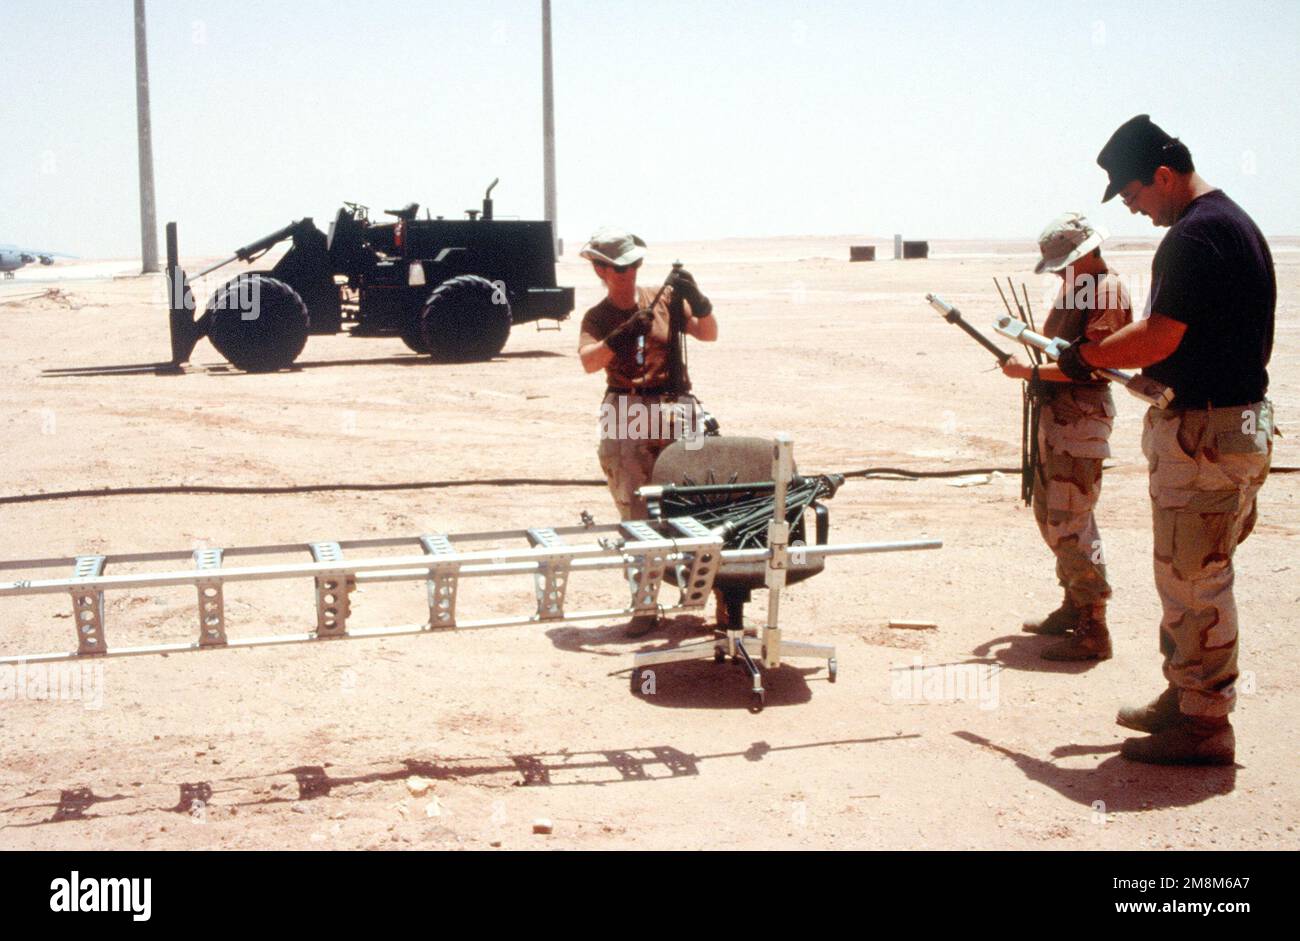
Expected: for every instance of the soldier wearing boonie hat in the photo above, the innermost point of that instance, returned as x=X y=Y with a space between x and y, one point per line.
x=1209 y=337
x=1074 y=429
x=647 y=404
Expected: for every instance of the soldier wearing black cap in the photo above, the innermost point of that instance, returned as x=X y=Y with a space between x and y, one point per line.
x=1209 y=336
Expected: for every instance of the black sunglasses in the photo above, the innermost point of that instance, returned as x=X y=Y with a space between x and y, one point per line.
x=620 y=269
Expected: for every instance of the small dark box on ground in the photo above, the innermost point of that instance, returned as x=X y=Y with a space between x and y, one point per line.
x=862 y=253
x=916 y=249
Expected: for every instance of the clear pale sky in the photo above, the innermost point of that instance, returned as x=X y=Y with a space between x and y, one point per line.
x=681 y=120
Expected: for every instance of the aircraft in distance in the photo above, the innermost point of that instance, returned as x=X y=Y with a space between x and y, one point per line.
x=12 y=258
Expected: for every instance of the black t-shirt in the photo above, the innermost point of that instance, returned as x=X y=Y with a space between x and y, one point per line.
x=1214 y=273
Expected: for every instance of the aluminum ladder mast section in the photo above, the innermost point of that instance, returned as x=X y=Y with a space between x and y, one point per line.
x=682 y=549
x=641 y=550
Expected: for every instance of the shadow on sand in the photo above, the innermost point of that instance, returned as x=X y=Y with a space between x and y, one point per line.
x=1117 y=785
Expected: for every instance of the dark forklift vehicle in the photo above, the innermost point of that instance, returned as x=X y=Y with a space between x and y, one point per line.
x=449 y=288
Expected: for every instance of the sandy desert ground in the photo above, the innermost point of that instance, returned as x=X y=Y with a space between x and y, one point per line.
x=313 y=746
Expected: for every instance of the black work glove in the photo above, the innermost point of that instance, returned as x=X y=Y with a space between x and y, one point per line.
x=686 y=288
x=622 y=339
x=1072 y=364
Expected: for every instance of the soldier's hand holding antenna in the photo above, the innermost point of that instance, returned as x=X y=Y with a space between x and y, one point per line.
x=1016 y=367
x=623 y=338
x=683 y=283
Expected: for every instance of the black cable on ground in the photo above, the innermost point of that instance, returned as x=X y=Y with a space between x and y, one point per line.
x=187 y=489
x=898 y=473
x=870 y=473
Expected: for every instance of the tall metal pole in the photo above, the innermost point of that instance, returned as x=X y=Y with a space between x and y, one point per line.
x=548 y=125
x=148 y=218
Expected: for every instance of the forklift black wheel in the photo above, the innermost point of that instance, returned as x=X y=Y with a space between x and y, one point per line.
x=466 y=319
x=258 y=323
x=414 y=338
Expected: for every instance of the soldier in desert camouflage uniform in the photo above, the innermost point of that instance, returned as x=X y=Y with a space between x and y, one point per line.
x=1073 y=437
x=1209 y=336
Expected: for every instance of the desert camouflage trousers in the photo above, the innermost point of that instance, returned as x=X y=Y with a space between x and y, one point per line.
x=634 y=430
x=1073 y=439
x=1206 y=467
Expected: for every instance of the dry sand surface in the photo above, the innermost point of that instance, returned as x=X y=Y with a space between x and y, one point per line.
x=311 y=747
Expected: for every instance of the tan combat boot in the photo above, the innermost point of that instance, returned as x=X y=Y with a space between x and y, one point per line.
x=1188 y=740
x=1060 y=621
x=1155 y=716
x=1089 y=641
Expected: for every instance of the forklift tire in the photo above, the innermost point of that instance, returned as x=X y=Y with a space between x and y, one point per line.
x=265 y=337
x=413 y=337
x=466 y=319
